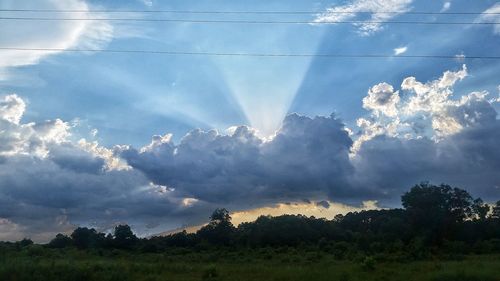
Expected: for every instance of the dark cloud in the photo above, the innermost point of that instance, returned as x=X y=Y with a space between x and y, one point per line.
x=308 y=157
x=323 y=204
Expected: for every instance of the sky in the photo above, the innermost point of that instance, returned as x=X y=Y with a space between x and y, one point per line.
x=95 y=138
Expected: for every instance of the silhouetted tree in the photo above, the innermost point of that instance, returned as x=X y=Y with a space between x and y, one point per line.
x=219 y=230
x=24 y=242
x=435 y=210
x=220 y=215
x=495 y=214
x=84 y=238
x=60 y=241
x=480 y=209
x=124 y=238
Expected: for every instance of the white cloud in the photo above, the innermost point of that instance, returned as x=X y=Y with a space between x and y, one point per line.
x=12 y=108
x=446 y=6
x=427 y=110
x=491 y=14
x=148 y=3
x=49 y=34
x=30 y=138
x=400 y=50
x=352 y=11
x=382 y=99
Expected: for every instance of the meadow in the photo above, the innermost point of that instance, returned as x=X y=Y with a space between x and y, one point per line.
x=36 y=263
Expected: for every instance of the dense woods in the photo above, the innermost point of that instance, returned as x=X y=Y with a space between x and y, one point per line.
x=434 y=219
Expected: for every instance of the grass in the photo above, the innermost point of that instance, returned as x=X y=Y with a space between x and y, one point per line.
x=69 y=264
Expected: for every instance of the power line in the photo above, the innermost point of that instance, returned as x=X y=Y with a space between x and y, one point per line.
x=237 y=54
x=248 y=21
x=244 y=12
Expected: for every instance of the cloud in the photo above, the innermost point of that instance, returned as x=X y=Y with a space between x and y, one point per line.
x=419 y=131
x=49 y=34
x=12 y=108
x=148 y=3
x=31 y=138
x=356 y=10
x=430 y=135
x=307 y=156
x=49 y=184
x=446 y=6
x=382 y=100
x=400 y=50
x=492 y=14
x=427 y=110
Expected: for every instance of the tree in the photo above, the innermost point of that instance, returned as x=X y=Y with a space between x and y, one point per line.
x=220 y=215
x=60 y=241
x=124 y=238
x=496 y=211
x=219 y=230
x=480 y=209
x=434 y=211
x=84 y=238
x=25 y=242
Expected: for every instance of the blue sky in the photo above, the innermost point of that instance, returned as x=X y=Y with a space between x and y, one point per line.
x=130 y=97
x=111 y=105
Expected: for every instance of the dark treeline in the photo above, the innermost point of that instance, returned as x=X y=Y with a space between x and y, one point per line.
x=434 y=219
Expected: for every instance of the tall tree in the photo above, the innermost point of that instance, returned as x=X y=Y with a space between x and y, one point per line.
x=434 y=211
x=84 y=238
x=124 y=238
x=219 y=230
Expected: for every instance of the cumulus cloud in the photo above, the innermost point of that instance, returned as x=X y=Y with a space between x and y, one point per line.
x=307 y=157
x=50 y=184
x=428 y=109
x=430 y=134
x=31 y=138
x=382 y=100
x=49 y=34
x=356 y=10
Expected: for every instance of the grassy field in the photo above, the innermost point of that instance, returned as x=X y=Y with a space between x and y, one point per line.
x=37 y=264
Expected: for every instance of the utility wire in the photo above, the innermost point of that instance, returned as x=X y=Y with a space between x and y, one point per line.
x=248 y=21
x=228 y=54
x=245 y=12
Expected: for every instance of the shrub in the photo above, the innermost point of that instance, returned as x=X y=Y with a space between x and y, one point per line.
x=210 y=273
x=368 y=264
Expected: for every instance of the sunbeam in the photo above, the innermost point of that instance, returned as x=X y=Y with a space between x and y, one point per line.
x=264 y=101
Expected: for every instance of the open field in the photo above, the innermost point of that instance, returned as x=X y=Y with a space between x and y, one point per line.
x=39 y=264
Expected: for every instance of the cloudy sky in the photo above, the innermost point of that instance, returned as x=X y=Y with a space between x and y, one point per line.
x=96 y=138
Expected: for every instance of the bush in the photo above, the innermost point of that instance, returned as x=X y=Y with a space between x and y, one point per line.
x=463 y=276
x=210 y=273
x=368 y=264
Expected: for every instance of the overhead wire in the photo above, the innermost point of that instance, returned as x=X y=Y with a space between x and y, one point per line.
x=249 y=21
x=243 y=12
x=248 y=54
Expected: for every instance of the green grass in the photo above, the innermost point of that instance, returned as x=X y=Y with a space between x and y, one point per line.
x=36 y=264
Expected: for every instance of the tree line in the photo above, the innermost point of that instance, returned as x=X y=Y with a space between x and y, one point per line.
x=434 y=218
